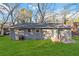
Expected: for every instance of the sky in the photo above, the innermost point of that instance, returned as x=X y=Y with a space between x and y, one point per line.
x=57 y=5
x=73 y=7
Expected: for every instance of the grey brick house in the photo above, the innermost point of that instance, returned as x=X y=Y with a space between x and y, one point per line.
x=54 y=31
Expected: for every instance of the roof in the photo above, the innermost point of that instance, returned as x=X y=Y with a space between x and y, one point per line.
x=40 y=25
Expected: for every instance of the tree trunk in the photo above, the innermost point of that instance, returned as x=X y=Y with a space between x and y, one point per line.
x=2 y=30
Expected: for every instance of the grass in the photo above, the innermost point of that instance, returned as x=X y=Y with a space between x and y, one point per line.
x=10 y=47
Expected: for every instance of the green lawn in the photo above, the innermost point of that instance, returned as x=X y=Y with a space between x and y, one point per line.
x=37 y=48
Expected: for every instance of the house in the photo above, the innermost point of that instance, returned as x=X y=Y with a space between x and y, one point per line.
x=40 y=31
x=5 y=29
x=75 y=29
x=51 y=17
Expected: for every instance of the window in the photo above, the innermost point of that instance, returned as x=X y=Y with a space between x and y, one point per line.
x=29 y=30
x=37 y=30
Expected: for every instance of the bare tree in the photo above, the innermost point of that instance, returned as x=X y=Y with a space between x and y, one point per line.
x=13 y=8
x=4 y=19
x=9 y=13
x=41 y=11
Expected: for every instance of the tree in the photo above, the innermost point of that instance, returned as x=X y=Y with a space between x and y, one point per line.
x=67 y=10
x=41 y=10
x=4 y=15
x=13 y=8
x=9 y=12
x=24 y=16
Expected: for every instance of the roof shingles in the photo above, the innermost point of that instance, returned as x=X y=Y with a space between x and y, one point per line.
x=39 y=25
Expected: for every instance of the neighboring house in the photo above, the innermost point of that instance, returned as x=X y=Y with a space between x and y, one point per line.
x=5 y=29
x=75 y=28
x=51 y=17
x=54 y=31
